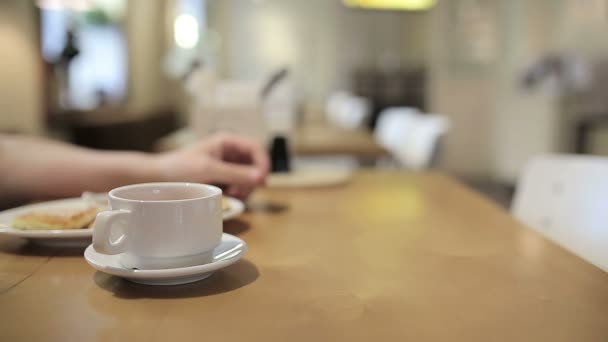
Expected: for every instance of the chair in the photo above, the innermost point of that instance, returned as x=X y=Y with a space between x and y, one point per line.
x=411 y=137
x=347 y=111
x=565 y=198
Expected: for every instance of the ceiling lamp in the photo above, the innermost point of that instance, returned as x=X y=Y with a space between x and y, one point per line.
x=186 y=31
x=403 y=5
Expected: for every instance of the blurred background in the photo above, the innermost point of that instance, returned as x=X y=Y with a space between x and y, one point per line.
x=470 y=87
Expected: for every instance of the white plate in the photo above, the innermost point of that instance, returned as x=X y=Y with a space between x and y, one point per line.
x=230 y=250
x=49 y=237
x=73 y=237
x=311 y=177
x=236 y=208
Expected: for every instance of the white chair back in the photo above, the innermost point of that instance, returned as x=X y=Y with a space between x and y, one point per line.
x=410 y=136
x=565 y=198
x=347 y=111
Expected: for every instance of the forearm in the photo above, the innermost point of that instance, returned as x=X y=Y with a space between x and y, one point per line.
x=39 y=168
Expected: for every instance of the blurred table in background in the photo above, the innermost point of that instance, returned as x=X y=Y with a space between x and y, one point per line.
x=309 y=139
x=317 y=139
x=390 y=256
x=116 y=128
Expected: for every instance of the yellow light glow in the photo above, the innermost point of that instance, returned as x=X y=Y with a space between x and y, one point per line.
x=407 y=5
x=185 y=31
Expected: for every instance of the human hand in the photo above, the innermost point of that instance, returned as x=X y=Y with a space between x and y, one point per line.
x=231 y=161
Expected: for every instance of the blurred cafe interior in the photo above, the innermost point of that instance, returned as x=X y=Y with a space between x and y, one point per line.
x=499 y=81
x=439 y=169
x=503 y=80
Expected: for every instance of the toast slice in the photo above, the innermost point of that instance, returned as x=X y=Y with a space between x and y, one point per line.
x=59 y=219
x=225 y=204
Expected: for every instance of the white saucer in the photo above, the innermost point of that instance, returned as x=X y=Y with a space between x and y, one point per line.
x=230 y=250
x=74 y=237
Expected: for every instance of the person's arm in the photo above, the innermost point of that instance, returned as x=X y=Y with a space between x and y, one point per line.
x=35 y=167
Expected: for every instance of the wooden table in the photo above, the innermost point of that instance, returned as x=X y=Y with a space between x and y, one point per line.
x=389 y=257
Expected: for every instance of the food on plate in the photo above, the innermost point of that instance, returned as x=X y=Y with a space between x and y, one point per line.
x=225 y=204
x=64 y=218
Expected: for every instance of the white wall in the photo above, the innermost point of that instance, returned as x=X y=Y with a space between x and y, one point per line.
x=20 y=69
x=525 y=122
x=466 y=95
x=497 y=125
x=148 y=86
x=321 y=40
x=528 y=123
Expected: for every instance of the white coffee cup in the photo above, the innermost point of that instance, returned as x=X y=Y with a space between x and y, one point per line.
x=160 y=225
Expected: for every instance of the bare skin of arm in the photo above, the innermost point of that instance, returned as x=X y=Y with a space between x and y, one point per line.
x=38 y=168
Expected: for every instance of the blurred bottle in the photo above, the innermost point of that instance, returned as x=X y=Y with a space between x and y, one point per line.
x=279 y=154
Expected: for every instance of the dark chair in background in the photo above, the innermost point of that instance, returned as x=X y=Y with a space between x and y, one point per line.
x=584 y=127
x=401 y=88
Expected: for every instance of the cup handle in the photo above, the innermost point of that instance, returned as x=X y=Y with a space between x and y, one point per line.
x=104 y=222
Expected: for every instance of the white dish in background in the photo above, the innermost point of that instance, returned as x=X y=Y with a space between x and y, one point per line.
x=230 y=250
x=315 y=172
x=318 y=177
x=236 y=208
x=74 y=237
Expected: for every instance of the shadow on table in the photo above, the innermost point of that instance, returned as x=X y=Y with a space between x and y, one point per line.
x=228 y=279
x=235 y=226
x=267 y=207
x=28 y=248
